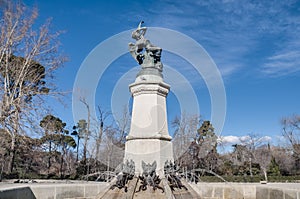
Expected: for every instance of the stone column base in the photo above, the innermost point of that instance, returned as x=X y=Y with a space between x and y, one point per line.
x=149 y=150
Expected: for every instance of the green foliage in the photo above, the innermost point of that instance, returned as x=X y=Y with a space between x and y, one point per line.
x=55 y=132
x=81 y=128
x=202 y=152
x=81 y=131
x=273 y=168
x=227 y=168
x=207 y=141
x=206 y=132
x=52 y=124
x=81 y=168
x=29 y=56
x=69 y=141
x=33 y=79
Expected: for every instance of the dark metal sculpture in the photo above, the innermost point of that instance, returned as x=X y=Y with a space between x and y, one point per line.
x=149 y=177
x=143 y=51
x=126 y=174
x=171 y=170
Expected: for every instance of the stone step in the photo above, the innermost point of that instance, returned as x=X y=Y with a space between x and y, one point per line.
x=211 y=198
x=120 y=193
x=81 y=198
x=149 y=193
x=185 y=194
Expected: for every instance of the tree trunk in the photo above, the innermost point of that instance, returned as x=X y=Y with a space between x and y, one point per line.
x=49 y=157
x=2 y=167
x=265 y=174
x=12 y=153
x=84 y=149
x=78 y=138
x=86 y=137
x=62 y=157
x=98 y=141
x=108 y=161
x=61 y=167
x=13 y=134
x=251 y=173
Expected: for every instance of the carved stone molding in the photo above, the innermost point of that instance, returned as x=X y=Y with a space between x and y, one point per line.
x=149 y=88
x=159 y=137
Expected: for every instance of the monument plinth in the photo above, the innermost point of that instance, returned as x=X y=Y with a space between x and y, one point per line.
x=148 y=140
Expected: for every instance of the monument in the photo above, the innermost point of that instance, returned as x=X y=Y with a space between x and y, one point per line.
x=148 y=141
x=148 y=162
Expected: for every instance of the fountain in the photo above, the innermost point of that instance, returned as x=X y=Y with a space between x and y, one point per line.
x=148 y=169
x=148 y=146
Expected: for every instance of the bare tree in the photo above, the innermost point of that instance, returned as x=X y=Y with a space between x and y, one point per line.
x=185 y=132
x=240 y=154
x=253 y=149
x=103 y=115
x=263 y=156
x=4 y=148
x=291 y=132
x=86 y=134
x=285 y=160
x=27 y=61
x=115 y=137
x=122 y=127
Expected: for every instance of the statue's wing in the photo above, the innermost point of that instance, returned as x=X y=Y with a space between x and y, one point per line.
x=143 y=165
x=119 y=168
x=154 y=165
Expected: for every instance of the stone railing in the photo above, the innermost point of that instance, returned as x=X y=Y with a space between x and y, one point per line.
x=247 y=190
x=51 y=190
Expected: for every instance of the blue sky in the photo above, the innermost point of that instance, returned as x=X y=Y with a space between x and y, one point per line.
x=255 y=45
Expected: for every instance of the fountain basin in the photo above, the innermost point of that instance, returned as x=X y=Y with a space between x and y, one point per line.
x=247 y=190
x=56 y=190
x=90 y=190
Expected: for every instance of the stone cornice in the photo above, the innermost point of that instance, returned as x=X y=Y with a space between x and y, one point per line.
x=161 y=137
x=159 y=88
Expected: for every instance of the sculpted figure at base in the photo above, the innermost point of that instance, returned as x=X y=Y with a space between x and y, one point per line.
x=126 y=174
x=143 y=51
x=149 y=177
x=172 y=177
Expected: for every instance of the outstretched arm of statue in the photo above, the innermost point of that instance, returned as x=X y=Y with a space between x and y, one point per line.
x=141 y=30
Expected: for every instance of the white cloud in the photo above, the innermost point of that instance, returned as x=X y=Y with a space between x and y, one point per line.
x=284 y=63
x=266 y=139
x=232 y=139
x=227 y=140
x=233 y=32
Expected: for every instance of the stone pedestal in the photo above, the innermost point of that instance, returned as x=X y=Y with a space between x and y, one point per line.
x=149 y=139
